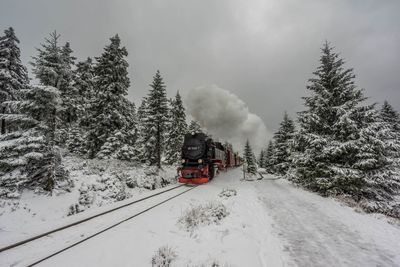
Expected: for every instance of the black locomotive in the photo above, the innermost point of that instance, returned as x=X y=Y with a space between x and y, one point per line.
x=202 y=158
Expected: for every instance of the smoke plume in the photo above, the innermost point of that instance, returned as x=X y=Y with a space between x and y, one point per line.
x=226 y=117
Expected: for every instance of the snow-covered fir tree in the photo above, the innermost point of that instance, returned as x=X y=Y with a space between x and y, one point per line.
x=194 y=127
x=84 y=84
x=53 y=67
x=43 y=105
x=120 y=144
x=282 y=145
x=392 y=118
x=109 y=148
x=155 y=124
x=84 y=87
x=327 y=141
x=376 y=159
x=250 y=159
x=76 y=142
x=141 y=130
x=340 y=146
x=109 y=111
x=261 y=158
x=128 y=149
x=29 y=157
x=69 y=94
x=269 y=158
x=177 y=130
x=13 y=79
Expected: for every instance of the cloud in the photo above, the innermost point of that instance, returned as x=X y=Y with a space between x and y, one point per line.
x=226 y=116
x=264 y=51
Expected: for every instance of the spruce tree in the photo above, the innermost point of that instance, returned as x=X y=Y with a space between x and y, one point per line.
x=84 y=84
x=377 y=157
x=76 y=142
x=261 y=159
x=142 y=115
x=13 y=79
x=327 y=145
x=283 y=143
x=156 y=121
x=269 y=158
x=389 y=115
x=120 y=144
x=53 y=67
x=177 y=130
x=249 y=158
x=108 y=112
x=29 y=157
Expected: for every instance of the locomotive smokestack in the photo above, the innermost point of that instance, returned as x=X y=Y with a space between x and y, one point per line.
x=226 y=116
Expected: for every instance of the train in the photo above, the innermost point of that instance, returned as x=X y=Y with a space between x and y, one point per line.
x=203 y=158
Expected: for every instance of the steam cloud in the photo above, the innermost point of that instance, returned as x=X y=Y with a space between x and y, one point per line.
x=224 y=115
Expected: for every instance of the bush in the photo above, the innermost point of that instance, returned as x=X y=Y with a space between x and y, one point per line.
x=164 y=257
x=225 y=193
x=210 y=213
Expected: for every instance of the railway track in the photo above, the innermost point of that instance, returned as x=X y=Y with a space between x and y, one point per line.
x=60 y=229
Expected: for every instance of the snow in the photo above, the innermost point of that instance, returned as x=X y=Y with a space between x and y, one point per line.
x=36 y=213
x=270 y=223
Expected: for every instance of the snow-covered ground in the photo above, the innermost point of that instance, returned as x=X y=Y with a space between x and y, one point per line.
x=268 y=223
x=97 y=184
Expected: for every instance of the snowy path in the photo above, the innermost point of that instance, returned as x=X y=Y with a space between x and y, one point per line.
x=271 y=223
x=320 y=232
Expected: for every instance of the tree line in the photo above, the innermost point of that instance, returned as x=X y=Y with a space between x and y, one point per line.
x=342 y=145
x=81 y=107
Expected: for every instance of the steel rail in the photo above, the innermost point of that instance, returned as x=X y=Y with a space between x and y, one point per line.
x=19 y=243
x=108 y=228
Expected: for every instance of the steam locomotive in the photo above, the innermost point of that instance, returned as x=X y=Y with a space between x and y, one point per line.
x=202 y=158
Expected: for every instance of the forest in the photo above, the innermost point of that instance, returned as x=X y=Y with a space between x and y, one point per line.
x=339 y=145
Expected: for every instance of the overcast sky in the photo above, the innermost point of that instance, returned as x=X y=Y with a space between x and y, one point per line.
x=263 y=51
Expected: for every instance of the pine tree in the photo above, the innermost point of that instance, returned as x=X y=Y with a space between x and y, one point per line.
x=84 y=84
x=156 y=121
x=120 y=145
x=109 y=148
x=44 y=103
x=261 y=158
x=69 y=94
x=76 y=142
x=283 y=142
x=378 y=153
x=13 y=79
x=177 y=130
x=194 y=127
x=249 y=159
x=29 y=158
x=53 y=67
x=142 y=115
x=108 y=112
x=327 y=145
x=390 y=116
x=269 y=158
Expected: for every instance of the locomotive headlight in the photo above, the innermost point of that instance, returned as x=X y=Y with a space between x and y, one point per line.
x=200 y=161
x=183 y=160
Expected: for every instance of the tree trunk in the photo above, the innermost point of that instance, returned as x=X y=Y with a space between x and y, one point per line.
x=158 y=146
x=3 y=122
x=51 y=175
